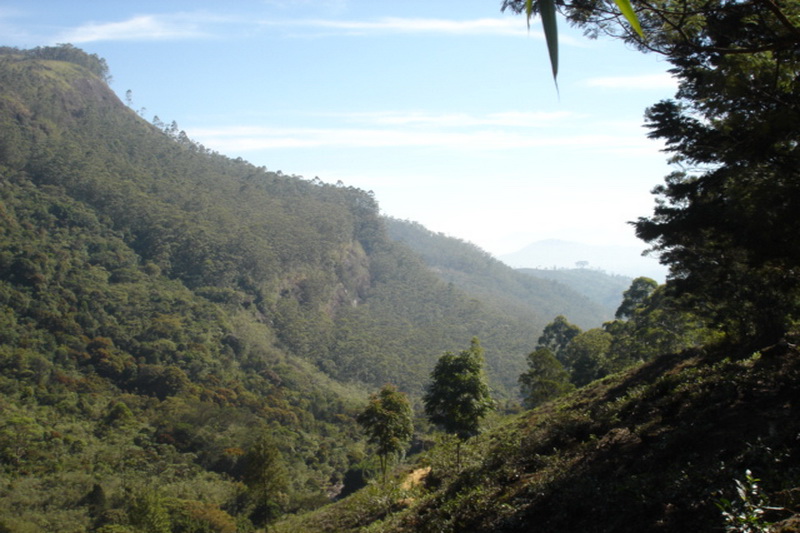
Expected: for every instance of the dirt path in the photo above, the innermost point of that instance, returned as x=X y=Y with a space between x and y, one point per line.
x=415 y=478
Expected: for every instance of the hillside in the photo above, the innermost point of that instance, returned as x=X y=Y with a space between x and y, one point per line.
x=597 y=285
x=172 y=320
x=476 y=272
x=658 y=448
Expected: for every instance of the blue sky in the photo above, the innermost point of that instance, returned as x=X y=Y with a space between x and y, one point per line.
x=446 y=110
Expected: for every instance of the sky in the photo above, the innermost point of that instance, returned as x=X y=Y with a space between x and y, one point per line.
x=446 y=110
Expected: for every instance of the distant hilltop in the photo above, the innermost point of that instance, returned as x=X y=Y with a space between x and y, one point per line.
x=554 y=253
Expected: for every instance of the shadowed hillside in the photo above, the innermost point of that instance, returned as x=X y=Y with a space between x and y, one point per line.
x=657 y=448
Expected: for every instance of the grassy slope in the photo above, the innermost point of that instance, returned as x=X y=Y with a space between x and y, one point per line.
x=651 y=449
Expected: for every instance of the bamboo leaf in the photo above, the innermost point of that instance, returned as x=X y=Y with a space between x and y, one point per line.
x=547 y=10
x=627 y=11
x=529 y=11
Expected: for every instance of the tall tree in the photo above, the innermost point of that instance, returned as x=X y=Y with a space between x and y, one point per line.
x=725 y=222
x=635 y=296
x=388 y=422
x=557 y=335
x=458 y=396
x=266 y=479
x=545 y=379
x=586 y=356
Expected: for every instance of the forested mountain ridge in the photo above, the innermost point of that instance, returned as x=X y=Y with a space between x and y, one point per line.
x=313 y=259
x=597 y=285
x=702 y=437
x=172 y=317
x=475 y=271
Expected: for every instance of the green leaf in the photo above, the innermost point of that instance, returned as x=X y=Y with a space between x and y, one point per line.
x=547 y=10
x=627 y=11
x=529 y=11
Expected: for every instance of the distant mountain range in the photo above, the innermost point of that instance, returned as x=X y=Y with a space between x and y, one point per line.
x=553 y=253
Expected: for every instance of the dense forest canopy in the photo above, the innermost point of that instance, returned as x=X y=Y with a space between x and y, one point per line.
x=168 y=313
x=698 y=439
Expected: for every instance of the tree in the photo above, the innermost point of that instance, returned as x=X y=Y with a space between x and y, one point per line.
x=586 y=355
x=545 y=379
x=635 y=296
x=725 y=221
x=660 y=324
x=148 y=512
x=557 y=335
x=458 y=396
x=266 y=479
x=388 y=421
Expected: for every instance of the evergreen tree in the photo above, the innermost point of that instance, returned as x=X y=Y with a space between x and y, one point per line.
x=557 y=335
x=726 y=221
x=458 y=396
x=388 y=421
x=266 y=479
x=545 y=379
x=635 y=296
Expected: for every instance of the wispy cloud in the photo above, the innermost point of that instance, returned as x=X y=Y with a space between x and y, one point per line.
x=457 y=120
x=240 y=139
x=146 y=28
x=643 y=81
x=177 y=26
x=488 y=131
x=483 y=26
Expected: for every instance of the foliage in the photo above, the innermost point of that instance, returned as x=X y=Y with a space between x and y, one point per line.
x=388 y=421
x=557 y=335
x=724 y=220
x=266 y=479
x=586 y=355
x=745 y=514
x=659 y=324
x=458 y=397
x=654 y=323
x=545 y=379
x=644 y=450
x=635 y=296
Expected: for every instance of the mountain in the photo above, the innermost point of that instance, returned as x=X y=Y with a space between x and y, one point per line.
x=174 y=322
x=597 y=285
x=619 y=260
x=479 y=274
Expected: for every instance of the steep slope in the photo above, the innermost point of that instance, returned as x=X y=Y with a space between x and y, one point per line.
x=600 y=287
x=313 y=260
x=671 y=446
x=471 y=269
x=172 y=320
